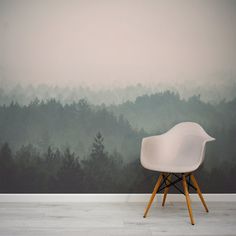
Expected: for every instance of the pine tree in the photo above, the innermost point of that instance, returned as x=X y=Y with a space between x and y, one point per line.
x=98 y=147
x=70 y=176
x=5 y=156
x=7 y=169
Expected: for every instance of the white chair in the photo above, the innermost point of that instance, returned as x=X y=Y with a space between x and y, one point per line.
x=176 y=153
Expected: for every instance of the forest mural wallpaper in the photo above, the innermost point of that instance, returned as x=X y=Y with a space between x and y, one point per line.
x=82 y=82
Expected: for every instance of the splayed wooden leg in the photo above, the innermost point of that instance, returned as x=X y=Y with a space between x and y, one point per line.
x=199 y=191
x=185 y=186
x=166 y=190
x=158 y=183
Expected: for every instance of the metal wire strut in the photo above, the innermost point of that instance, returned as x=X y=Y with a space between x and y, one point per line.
x=166 y=183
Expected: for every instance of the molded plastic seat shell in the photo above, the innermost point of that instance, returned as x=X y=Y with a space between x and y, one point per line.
x=179 y=150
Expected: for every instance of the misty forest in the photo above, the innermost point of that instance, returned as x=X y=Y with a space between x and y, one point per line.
x=53 y=146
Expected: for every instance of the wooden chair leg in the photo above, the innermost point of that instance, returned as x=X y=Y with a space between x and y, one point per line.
x=199 y=191
x=158 y=183
x=188 y=199
x=166 y=190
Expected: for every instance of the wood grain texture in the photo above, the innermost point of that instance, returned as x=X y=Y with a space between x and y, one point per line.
x=199 y=191
x=185 y=186
x=158 y=183
x=114 y=219
x=166 y=190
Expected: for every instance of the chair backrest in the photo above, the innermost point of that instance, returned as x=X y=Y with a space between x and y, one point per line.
x=190 y=129
x=188 y=141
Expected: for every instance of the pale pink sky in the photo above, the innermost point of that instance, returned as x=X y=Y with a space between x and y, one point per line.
x=122 y=42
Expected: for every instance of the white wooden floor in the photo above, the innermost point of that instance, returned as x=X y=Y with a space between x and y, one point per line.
x=49 y=219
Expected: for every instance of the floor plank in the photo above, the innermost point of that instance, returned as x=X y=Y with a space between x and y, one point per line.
x=113 y=219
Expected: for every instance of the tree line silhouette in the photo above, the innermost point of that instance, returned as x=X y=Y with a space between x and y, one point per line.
x=50 y=147
x=55 y=171
x=49 y=123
